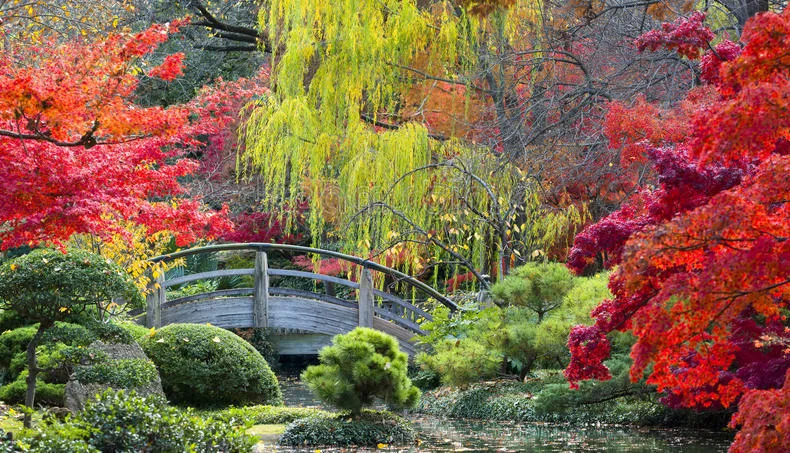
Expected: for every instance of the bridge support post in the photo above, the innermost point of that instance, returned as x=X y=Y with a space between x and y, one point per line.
x=154 y=300
x=260 y=300
x=366 y=299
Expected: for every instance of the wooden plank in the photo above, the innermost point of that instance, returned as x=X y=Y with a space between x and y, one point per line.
x=208 y=275
x=312 y=276
x=261 y=293
x=301 y=344
x=207 y=296
x=291 y=292
x=229 y=312
x=310 y=316
x=366 y=299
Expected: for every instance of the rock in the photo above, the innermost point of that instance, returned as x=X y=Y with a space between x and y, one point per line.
x=77 y=393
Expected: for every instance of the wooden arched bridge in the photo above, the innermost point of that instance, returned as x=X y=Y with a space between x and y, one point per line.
x=302 y=321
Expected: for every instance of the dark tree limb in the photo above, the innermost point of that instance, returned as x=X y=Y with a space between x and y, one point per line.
x=231 y=32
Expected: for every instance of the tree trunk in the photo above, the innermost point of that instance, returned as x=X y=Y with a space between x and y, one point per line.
x=32 y=370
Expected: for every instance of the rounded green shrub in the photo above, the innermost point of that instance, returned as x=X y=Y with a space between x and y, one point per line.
x=123 y=373
x=203 y=365
x=359 y=366
x=369 y=429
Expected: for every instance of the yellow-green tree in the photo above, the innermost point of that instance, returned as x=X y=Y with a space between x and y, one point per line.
x=335 y=131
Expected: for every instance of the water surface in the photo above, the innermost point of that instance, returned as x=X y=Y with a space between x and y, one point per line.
x=483 y=436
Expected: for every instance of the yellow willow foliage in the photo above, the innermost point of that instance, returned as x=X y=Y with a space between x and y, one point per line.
x=338 y=66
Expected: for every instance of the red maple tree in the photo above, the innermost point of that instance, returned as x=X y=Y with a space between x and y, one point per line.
x=77 y=155
x=703 y=258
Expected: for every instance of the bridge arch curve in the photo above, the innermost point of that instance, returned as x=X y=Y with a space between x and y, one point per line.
x=302 y=321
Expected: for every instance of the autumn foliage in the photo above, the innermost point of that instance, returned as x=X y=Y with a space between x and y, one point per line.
x=77 y=155
x=703 y=258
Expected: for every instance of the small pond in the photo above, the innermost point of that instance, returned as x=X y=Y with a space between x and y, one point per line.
x=477 y=436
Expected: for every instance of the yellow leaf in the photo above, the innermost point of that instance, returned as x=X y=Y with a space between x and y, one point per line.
x=380 y=445
x=64 y=309
x=115 y=23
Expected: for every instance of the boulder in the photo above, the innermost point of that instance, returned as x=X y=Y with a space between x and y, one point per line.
x=77 y=393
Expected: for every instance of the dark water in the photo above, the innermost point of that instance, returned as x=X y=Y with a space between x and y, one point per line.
x=473 y=436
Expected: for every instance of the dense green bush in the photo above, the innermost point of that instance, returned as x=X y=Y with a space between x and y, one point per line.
x=539 y=287
x=370 y=428
x=137 y=332
x=359 y=366
x=61 y=347
x=266 y=415
x=480 y=342
x=47 y=286
x=547 y=398
x=462 y=361
x=204 y=365
x=47 y=394
x=119 y=421
x=123 y=373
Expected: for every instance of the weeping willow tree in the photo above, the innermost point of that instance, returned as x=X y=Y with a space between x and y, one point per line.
x=331 y=133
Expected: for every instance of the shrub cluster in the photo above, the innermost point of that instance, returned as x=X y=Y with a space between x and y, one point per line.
x=123 y=373
x=203 y=365
x=548 y=399
x=62 y=348
x=370 y=428
x=119 y=421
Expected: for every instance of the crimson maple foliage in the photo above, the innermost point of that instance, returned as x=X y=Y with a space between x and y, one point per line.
x=78 y=156
x=703 y=258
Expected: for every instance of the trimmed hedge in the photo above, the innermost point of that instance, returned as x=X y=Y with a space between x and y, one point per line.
x=369 y=429
x=267 y=415
x=203 y=365
x=123 y=373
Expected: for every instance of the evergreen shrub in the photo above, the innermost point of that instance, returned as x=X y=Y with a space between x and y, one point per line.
x=203 y=365
x=369 y=429
x=359 y=366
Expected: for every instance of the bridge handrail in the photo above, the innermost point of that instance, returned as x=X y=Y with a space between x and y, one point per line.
x=267 y=247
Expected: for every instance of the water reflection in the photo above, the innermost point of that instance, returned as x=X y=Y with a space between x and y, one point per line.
x=475 y=436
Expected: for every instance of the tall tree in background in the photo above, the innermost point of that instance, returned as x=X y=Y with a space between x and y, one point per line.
x=702 y=259
x=78 y=156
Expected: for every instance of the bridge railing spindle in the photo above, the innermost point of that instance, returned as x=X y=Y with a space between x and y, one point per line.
x=154 y=300
x=366 y=298
x=260 y=301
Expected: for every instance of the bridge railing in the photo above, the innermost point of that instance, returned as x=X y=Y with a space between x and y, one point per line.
x=370 y=301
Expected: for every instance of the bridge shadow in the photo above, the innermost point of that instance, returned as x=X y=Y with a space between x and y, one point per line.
x=301 y=320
